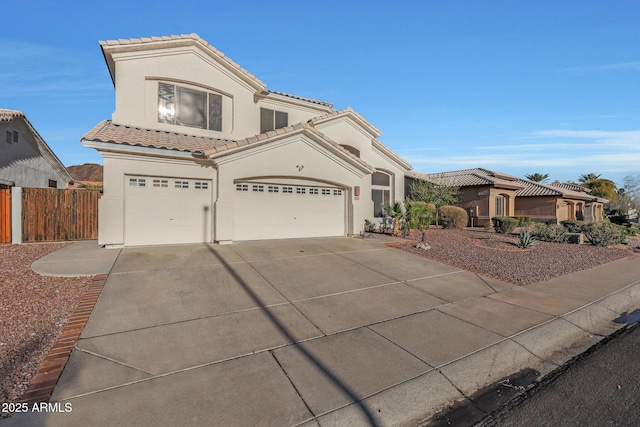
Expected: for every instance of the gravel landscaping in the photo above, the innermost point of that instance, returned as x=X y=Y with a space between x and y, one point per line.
x=498 y=256
x=33 y=312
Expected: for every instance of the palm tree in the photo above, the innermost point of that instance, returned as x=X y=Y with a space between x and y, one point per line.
x=396 y=212
x=588 y=179
x=537 y=177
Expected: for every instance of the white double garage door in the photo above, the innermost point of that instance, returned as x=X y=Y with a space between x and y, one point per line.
x=166 y=210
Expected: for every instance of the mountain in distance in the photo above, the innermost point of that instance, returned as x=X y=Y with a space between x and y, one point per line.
x=89 y=172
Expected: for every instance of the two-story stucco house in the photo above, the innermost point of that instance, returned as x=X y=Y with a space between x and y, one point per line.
x=199 y=150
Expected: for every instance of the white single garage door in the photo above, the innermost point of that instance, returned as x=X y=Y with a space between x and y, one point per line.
x=160 y=211
x=282 y=211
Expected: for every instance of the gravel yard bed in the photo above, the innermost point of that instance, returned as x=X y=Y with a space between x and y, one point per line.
x=498 y=256
x=33 y=312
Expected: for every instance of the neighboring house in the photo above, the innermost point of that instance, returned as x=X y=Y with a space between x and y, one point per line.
x=485 y=193
x=199 y=150
x=25 y=158
x=558 y=202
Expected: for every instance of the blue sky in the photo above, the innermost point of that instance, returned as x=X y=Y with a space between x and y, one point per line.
x=516 y=86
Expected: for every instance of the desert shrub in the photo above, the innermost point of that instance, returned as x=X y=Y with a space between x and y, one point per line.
x=453 y=217
x=504 y=224
x=551 y=222
x=523 y=221
x=555 y=233
x=604 y=233
x=525 y=240
x=572 y=226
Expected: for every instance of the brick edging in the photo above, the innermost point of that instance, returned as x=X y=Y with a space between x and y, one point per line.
x=42 y=384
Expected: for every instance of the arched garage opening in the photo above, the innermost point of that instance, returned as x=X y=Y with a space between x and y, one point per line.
x=287 y=207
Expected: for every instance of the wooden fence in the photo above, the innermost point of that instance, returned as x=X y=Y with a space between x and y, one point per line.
x=51 y=215
x=5 y=216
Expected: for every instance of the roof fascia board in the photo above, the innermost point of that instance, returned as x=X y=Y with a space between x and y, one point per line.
x=371 y=130
x=385 y=152
x=47 y=153
x=311 y=106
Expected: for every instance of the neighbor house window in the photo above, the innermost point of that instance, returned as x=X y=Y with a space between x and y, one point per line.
x=500 y=202
x=380 y=192
x=270 y=120
x=183 y=106
x=53 y=183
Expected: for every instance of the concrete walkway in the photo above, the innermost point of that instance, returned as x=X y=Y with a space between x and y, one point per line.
x=311 y=332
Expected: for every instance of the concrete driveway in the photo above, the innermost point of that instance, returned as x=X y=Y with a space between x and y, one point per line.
x=293 y=332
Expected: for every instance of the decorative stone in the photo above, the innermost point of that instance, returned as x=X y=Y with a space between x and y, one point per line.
x=423 y=246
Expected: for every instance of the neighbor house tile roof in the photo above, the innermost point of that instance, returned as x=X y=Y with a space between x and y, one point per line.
x=468 y=178
x=106 y=131
x=7 y=115
x=532 y=189
x=569 y=186
x=162 y=41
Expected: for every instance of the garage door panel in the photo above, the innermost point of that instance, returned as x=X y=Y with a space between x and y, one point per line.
x=269 y=215
x=173 y=212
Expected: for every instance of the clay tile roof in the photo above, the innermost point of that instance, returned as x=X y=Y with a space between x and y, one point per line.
x=106 y=131
x=8 y=115
x=532 y=188
x=313 y=101
x=569 y=186
x=468 y=178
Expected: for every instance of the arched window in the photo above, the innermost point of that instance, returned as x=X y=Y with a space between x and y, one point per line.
x=380 y=192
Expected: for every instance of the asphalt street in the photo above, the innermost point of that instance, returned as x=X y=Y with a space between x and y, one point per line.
x=599 y=388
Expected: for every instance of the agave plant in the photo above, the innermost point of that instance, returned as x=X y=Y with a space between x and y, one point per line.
x=525 y=240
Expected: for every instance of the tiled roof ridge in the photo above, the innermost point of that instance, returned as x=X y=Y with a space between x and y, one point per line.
x=7 y=115
x=302 y=98
x=197 y=143
x=185 y=37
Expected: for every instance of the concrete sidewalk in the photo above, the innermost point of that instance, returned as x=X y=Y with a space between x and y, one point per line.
x=316 y=332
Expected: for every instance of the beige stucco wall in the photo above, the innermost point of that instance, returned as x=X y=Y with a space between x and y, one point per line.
x=139 y=73
x=539 y=209
x=280 y=160
x=118 y=167
x=345 y=130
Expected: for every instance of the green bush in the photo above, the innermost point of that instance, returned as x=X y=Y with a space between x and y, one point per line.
x=523 y=221
x=572 y=226
x=555 y=233
x=604 y=233
x=453 y=217
x=504 y=224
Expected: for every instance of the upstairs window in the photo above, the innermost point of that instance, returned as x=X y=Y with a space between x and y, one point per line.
x=183 y=106
x=271 y=120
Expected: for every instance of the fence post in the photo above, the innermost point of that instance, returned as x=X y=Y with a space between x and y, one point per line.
x=16 y=215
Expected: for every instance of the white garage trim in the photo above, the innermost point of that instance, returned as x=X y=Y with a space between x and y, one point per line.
x=166 y=210
x=272 y=209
